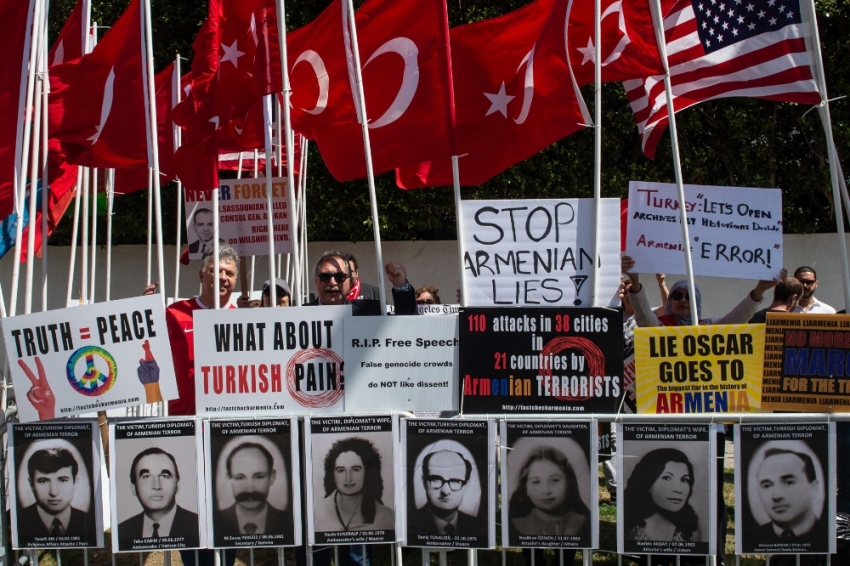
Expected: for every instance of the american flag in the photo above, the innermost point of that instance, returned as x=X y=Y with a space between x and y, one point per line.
x=724 y=48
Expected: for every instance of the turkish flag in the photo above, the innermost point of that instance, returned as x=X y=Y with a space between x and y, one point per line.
x=97 y=103
x=405 y=58
x=13 y=29
x=70 y=44
x=515 y=95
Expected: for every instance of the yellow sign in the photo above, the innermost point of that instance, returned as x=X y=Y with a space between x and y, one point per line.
x=807 y=363
x=702 y=369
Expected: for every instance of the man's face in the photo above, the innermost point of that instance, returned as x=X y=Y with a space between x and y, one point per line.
x=445 y=468
x=337 y=284
x=784 y=489
x=53 y=492
x=204 y=226
x=355 y=273
x=809 y=283
x=282 y=300
x=156 y=482
x=226 y=280
x=250 y=478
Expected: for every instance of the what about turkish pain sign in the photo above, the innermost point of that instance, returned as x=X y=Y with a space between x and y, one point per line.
x=699 y=369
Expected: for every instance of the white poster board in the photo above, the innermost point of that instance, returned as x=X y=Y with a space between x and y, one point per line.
x=242 y=216
x=734 y=231
x=261 y=360
x=401 y=363
x=539 y=252
x=90 y=358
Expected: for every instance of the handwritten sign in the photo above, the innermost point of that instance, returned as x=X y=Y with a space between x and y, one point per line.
x=539 y=252
x=734 y=231
x=242 y=215
x=699 y=369
x=90 y=358
x=805 y=363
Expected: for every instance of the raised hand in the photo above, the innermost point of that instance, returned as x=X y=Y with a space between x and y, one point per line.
x=40 y=394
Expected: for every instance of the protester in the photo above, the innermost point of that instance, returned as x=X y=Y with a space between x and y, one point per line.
x=786 y=295
x=283 y=295
x=808 y=303
x=359 y=289
x=427 y=295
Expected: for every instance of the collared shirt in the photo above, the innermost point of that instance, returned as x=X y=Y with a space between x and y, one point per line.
x=164 y=524
x=64 y=518
x=799 y=530
x=259 y=520
x=817 y=307
x=442 y=523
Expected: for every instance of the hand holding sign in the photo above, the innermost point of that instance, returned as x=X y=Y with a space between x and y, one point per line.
x=40 y=394
x=766 y=284
x=149 y=375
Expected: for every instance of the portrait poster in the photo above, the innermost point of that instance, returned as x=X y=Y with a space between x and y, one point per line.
x=252 y=482
x=549 y=484
x=55 y=488
x=157 y=481
x=540 y=360
x=666 y=489
x=449 y=466
x=785 y=488
x=96 y=357
x=351 y=479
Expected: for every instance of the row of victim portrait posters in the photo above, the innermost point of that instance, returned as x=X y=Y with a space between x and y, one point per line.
x=224 y=483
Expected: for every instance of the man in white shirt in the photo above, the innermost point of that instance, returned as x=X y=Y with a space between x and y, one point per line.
x=808 y=303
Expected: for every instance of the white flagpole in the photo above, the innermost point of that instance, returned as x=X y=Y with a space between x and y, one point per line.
x=153 y=141
x=216 y=247
x=597 y=145
x=84 y=249
x=267 y=127
x=178 y=139
x=45 y=186
x=657 y=17
x=303 y=282
x=288 y=138
x=74 y=237
x=110 y=198
x=22 y=152
x=148 y=281
x=93 y=234
x=348 y=13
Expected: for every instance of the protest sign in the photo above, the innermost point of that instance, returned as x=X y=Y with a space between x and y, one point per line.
x=242 y=216
x=699 y=369
x=54 y=484
x=351 y=469
x=806 y=364
x=253 y=482
x=527 y=360
x=156 y=466
x=449 y=467
x=539 y=252
x=258 y=360
x=534 y=453
x=90 y=358
x=666 y=489
x=785 y=488
x=401 y=363
x=734 y=231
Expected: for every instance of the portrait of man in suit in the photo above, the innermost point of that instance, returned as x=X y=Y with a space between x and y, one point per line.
x=445 y=476
x=202 y=224
x=53 y=474
x=155 y=481
x=251 y=474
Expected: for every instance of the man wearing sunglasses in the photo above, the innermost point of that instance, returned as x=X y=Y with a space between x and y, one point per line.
x=808 y=303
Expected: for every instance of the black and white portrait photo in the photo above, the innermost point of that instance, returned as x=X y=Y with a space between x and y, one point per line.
x=200 y=228
x=251 y=482
x=666 y=489
x=782 y=478
x=548 y=492
x=351 y=480
x=450 y=473
x=56 y=473
x=154 y=477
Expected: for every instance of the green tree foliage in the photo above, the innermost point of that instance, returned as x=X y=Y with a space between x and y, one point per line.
x=736 y=142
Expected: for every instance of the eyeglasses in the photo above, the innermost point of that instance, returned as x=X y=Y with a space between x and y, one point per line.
x=436 y=482
x=426 y=302
x=678 y=296
x=339 y=277
x=808 y=283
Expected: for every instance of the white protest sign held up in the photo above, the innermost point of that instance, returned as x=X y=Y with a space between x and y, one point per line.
x=734 y=231
x=242 y=215
x=289 y=359
x=539 y=252
x=90 y=358
x=401 y=363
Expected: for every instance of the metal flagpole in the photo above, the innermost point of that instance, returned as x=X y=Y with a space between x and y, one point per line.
x=360 y=104
x=74 y=237
x=288 y=138
x=216 y=248
x=658 y=20
x=84 y=248
x=153 y=142
x=150 y=227
x=267 y=127
x=45 y=186
x=178 y=139
x=597 y=145
x=93 y=233
x=110 y=197
x=22 y=152
x=303 y=282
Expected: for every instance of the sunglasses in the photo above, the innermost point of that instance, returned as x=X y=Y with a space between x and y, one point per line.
x=426 y=302
x=678 y=296
x=808 y=283
x=338 y=277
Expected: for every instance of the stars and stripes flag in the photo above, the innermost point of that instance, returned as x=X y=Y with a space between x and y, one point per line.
x=726 y=48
